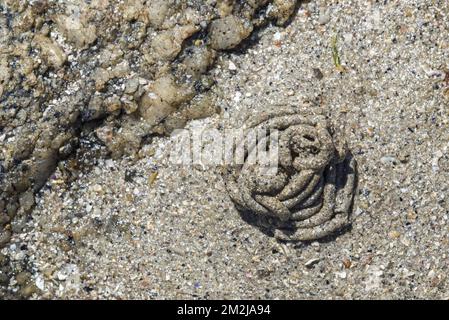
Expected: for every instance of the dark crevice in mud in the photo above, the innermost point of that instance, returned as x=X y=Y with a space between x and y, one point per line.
x=68 y=92
x=255 y=36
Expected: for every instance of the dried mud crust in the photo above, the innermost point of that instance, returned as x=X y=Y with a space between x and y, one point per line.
x=310 y=195
x=127 y=69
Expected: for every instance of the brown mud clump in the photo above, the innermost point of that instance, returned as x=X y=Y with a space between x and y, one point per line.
x=124 y=70
x=309 y=196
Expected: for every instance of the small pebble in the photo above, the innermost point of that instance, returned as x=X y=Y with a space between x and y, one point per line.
x=232 y=66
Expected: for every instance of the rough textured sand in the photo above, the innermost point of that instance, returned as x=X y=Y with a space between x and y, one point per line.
x=121 y=231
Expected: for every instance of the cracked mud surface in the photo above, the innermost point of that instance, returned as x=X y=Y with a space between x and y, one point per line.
x=134 y=226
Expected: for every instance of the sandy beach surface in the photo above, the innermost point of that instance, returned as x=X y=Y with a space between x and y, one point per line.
x=144 y=228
